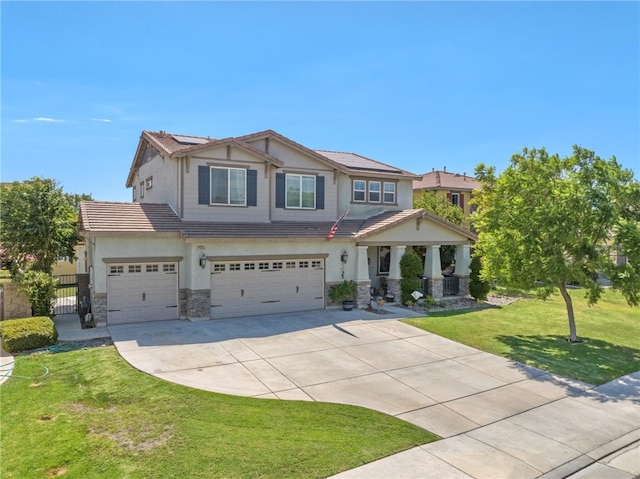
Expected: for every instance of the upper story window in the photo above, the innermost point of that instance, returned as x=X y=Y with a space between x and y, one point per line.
x=301 y=191
x=455 y=199
x=141 y=189
x=149 y=183
x=389 y=194
x=374 y=192
x=228 y=186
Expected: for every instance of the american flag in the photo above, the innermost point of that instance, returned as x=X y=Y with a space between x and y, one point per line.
x=334 y=228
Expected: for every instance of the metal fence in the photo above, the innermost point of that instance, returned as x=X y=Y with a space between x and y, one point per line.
x=450 y=286
x=66 y=294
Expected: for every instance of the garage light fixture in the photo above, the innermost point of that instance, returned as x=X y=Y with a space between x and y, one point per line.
x=203 y=261
x=344 y=257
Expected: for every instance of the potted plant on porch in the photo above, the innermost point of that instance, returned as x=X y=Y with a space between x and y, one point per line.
x=343 y=293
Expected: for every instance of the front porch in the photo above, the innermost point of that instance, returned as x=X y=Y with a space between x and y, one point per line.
x=378 y=273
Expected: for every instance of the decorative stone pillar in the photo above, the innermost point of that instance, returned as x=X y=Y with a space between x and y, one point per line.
x=393 y=281
x=433 y=271
x=362 y=281
x=462 y=271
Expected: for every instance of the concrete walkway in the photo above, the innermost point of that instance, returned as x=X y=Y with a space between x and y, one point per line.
x=498 y=418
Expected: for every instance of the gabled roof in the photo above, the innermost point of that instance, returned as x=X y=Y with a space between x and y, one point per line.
x=107 y=218
x=171 y=145
x=444 y=180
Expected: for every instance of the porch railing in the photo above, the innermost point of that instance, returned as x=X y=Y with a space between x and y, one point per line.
x=450 y=286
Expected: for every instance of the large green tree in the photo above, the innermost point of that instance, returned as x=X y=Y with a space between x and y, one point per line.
x=441 y=206
x=38 y=224
x=550 y=222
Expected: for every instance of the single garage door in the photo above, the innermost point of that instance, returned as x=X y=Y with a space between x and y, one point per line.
x=142 y=292
x=246 y=288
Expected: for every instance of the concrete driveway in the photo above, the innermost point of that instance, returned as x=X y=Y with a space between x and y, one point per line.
x=501 y=418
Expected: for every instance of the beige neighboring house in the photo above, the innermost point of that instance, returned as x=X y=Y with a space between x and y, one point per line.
x=222 y=228
x=77 y=265
x=458 y=188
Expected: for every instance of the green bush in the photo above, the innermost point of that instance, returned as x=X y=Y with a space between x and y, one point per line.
x=28 y=333
x=478 y=287
x=342 y=291
x=411 y=269
x=40 y=288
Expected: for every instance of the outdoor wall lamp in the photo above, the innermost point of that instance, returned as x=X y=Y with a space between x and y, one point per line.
x=203 y=261
x=344 y=257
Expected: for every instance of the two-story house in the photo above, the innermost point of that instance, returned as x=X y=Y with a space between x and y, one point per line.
x=240 y=226
x=458 y=188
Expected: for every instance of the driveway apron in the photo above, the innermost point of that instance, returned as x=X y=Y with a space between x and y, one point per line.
x=498 y=418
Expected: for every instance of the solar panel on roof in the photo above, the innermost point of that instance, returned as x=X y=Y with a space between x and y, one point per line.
x=189 y=140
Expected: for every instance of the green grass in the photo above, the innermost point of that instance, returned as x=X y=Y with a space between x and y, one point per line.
x=93 y=416
x=534 y=332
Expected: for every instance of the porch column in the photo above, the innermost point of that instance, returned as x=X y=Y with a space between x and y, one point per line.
x=393 y=280
x=462 y=271
x=433 y=271
x=362 y=278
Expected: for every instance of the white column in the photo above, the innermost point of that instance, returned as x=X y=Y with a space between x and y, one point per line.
x=463 y=260
x=362 y=265
x=432 y=267
x=394 y=267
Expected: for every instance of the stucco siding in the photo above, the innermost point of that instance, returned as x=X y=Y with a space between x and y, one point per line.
x=130 y=247
x=239 y=159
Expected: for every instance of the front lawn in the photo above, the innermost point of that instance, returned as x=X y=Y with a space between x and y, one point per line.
x=90 y=415
x=534 y=332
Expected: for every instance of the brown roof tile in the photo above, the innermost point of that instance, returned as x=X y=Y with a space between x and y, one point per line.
x=444 y=180
x=108 y=217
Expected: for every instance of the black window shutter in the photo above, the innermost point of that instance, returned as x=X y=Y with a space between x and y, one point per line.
x=280 y=190
x=252 y=187
x=320 y=192
x=204 y=185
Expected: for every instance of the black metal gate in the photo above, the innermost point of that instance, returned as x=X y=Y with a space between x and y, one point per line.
x=66 y=294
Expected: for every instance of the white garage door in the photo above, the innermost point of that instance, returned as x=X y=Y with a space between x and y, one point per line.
x=246 y=288
x=142 y=292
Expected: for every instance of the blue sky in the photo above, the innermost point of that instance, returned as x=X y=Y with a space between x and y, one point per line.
x=419 y=85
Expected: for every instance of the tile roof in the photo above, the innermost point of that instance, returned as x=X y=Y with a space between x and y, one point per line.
x=444 y=180
x=150 y=218
x=110 y=217
x=360 y=163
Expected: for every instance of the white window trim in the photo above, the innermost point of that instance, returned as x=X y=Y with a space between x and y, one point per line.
x=286 y=192
x=379 y=192
x=394 y=192
x=363 y=191
x=456 y=195
x=228 y=170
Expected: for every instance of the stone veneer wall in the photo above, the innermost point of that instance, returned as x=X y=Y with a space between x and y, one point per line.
x=363 y=296
x=393 y=289
x=463 y=285
x=434 y=287
x=14 y=303
x=195 y=304
x=99 y=307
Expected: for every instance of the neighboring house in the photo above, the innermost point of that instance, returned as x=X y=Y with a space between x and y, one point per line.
x=68 y=266
x=239 y=226
x=457 y=187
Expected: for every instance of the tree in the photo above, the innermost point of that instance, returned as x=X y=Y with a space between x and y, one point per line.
x=478 y=287
x=38 y=224
x=410 y=271
x=552 y=222
x=441 y=206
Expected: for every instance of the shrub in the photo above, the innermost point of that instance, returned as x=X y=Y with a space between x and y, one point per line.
x=40 y=288
x=342 y=291
x=28 y=333
x=478 y=287
x=411 y=269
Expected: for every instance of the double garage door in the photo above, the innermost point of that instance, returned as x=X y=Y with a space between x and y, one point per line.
x=262 y=286
x=142 y=292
